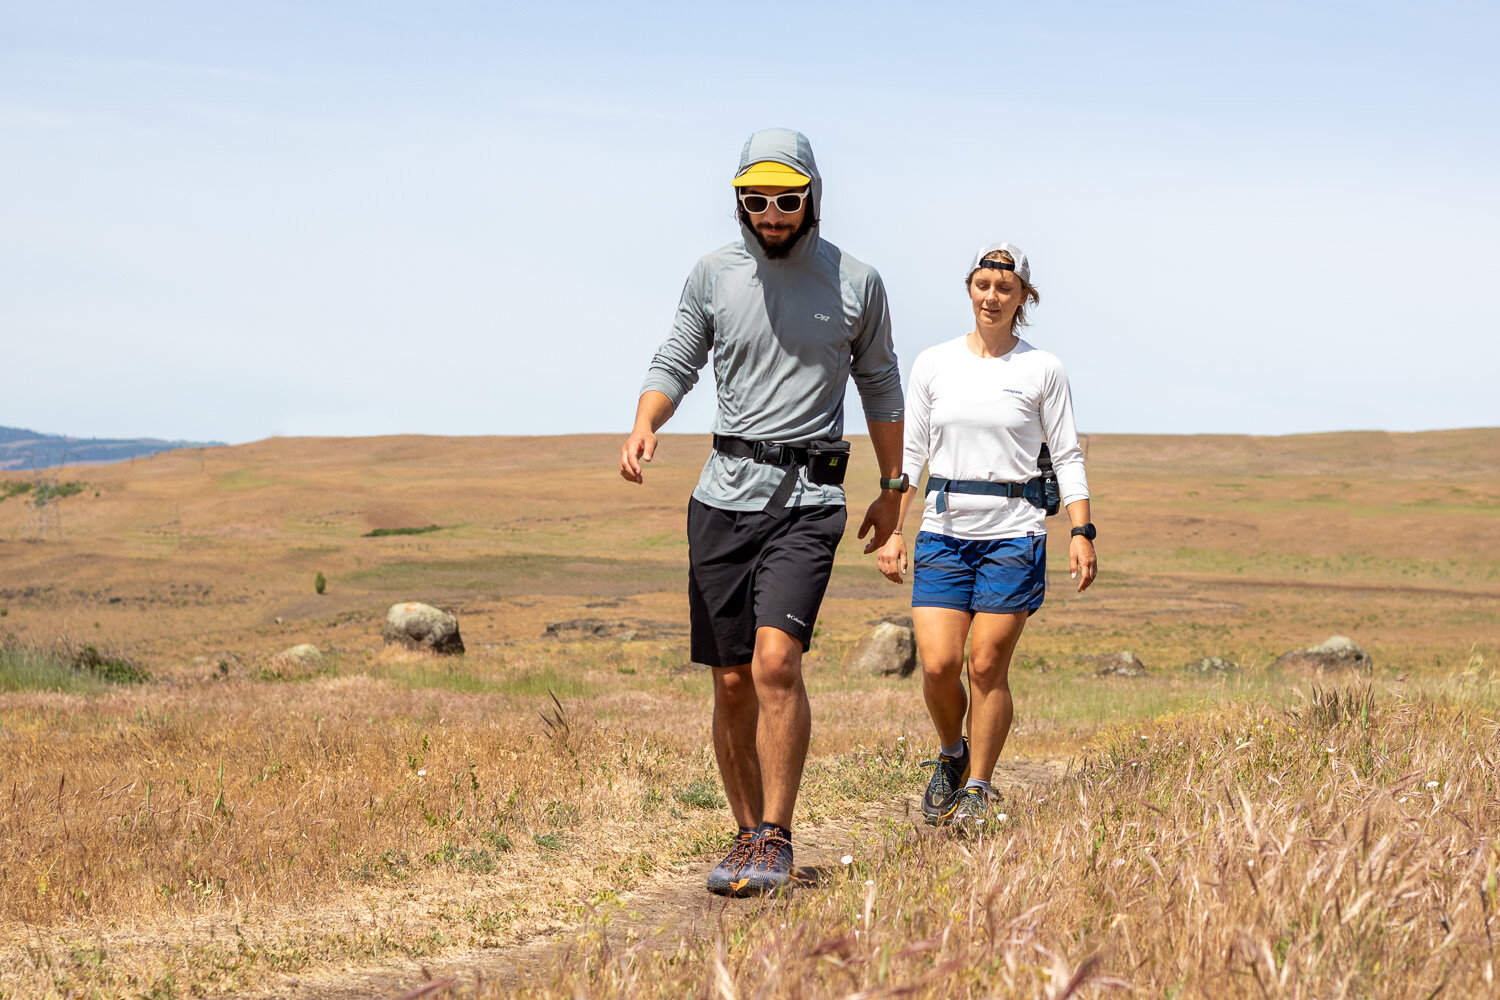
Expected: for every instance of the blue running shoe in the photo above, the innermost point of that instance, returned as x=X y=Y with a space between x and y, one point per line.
x=721 y=880
x=948 y=777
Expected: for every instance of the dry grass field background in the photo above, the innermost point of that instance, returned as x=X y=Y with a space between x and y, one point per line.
x=232 y=826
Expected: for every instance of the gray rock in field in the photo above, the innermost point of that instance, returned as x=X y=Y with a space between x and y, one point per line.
x=1121 y=664
x=421 y=626
x=884 y=650
x=1211 y=665
x=1335 y=653
x=305 y=655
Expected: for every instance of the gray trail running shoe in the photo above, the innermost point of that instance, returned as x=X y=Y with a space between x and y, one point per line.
x=971 y=813
x=770 y=868
x=721 y=880
x=947 y=781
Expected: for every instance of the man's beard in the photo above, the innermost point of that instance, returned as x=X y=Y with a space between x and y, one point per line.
x=779 y=251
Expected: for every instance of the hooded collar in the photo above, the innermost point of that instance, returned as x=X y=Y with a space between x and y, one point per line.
x=782 y=145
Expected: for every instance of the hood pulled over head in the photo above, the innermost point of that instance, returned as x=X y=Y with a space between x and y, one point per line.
x=792 y=150
x=789 y=148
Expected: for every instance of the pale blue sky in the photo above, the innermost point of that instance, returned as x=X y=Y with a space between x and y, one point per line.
x=232 y=220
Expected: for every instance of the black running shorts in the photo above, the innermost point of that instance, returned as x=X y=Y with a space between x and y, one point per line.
x=748 y=569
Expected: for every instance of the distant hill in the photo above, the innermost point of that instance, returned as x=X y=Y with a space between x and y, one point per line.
x=22 y=449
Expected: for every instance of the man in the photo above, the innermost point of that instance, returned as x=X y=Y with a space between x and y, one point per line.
x=788 y=317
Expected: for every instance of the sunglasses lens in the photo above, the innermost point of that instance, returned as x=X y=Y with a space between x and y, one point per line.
x=755 y=203
x=788 y=203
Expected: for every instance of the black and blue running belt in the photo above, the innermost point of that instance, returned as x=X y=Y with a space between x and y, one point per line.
x=942 y=487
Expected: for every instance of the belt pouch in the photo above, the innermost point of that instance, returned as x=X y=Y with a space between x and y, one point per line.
x=1042 y=493
x=827 y=462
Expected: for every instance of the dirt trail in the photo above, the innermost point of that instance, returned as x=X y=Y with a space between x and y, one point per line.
x=674 y=902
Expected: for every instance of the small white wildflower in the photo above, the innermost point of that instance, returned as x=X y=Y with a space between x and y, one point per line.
x=422 y=773
x=1250 y=863
x=1432 y=784
x=900 y=739
x=847 y=859
x=1000 y=818
x=1402 y=799
x=869 y=881
x=1329 y=749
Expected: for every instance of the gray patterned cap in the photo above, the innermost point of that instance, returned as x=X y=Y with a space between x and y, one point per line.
x=1023 y=266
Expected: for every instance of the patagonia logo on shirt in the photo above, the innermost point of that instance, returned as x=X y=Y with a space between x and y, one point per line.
x=1015 y=392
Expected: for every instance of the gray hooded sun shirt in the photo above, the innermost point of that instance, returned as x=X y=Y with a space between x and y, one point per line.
x=785 y=335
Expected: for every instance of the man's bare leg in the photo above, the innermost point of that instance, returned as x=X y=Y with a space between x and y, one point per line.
x=736 y=711
x=785 y=721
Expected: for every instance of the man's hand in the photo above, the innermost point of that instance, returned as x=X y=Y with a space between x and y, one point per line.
x=638 y=448
x=882 y=516
x=1081 y=557
x=651 y=412
x=892 y=558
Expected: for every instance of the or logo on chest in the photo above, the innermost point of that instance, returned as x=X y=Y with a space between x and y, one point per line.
x=822 y=317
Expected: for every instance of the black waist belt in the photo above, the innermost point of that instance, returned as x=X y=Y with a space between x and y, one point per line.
x=790 y=456
x=942 y=487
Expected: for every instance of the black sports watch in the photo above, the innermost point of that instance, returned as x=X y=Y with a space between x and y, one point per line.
x=1086 y=530
x=901 y=482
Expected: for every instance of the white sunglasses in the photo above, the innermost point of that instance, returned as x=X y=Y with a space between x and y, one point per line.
x=758 y=204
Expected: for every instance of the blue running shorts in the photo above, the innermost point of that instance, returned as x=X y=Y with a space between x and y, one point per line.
x=996 y=576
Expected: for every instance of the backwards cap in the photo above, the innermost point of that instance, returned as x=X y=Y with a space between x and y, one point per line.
x=1022 y=266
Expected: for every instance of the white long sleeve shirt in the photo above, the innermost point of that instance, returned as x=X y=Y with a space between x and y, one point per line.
x=969 y=417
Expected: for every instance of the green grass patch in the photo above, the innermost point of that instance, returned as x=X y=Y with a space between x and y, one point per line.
x=79 y=670
x=387 y=532
x=42 y=494
x=700 y=794
x=457 y=674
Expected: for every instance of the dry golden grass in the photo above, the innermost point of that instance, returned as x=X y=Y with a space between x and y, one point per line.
x=1347 y=848
x=235 y=821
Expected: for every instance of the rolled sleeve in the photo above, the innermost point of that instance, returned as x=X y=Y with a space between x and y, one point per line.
x=674 y=368
x=873 y=364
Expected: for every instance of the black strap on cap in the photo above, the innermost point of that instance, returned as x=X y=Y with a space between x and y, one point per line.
x=997 y=265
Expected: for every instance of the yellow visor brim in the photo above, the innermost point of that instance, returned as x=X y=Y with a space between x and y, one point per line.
x=768 y=173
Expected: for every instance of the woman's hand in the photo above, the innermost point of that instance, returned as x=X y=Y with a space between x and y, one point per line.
x=892 y=558
x=1082 y=564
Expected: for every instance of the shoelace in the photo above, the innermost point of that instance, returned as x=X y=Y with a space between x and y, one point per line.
x=766 y=853
x=741 y=851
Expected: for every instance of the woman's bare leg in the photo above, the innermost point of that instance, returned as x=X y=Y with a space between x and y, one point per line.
x=992 y=641
x=940 y=642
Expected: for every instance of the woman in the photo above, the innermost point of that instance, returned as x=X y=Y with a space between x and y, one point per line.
x=978 y=411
